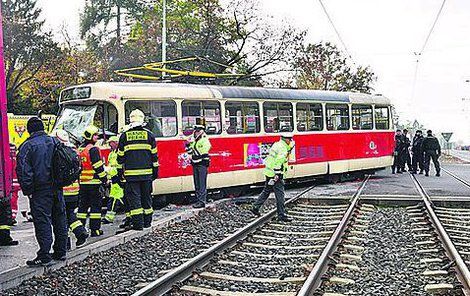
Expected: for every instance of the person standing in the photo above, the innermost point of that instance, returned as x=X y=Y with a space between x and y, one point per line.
x=397 y=156
x=417 y=151
x=198 y=147
x=116 y=194
x=46 y=201
x=432 y=150
x=138 y=162
x=275 y=171
x=92 y=179
x=5 y=223
x=71 y=194
x=406 y=159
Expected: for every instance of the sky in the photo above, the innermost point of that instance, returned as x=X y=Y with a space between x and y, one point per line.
x=384 y=35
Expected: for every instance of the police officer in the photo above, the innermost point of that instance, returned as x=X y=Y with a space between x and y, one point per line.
x=198 y=147
x=397 y=156
x=46 y=201
x=406 y=159
x=92 y=180
x=116 y=193
x=138 y=162
x=432 y=150
x=417 y=150
x=275 y=171
x=71 y=194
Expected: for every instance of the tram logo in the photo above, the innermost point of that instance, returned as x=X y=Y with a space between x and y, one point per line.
x=373 y=147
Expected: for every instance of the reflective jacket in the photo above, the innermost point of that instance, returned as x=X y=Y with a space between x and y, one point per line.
x=199 y=151
x=137 y=154
x=116 y=191
x=92 y=166
x=277 y=161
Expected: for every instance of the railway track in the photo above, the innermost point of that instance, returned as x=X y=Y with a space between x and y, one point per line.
x=461 y=180
x=270 y=258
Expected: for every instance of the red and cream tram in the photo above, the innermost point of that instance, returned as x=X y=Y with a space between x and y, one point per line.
x=334 y=132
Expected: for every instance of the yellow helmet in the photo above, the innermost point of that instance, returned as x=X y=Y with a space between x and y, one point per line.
x=137 y=116
x=90 y=131
x=113 y=139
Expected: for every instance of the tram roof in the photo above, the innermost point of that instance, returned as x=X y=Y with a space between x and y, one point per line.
x=197 y=91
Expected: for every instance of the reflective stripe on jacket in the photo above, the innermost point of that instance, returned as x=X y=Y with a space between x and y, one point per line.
x=277 y=161
x=92 y=166
x=199 y=150
x=72 y=190
x=137 y=154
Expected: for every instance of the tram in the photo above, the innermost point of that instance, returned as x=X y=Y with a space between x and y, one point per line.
x=334 y=132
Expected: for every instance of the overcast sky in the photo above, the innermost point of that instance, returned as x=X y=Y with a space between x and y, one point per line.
x=384 y=35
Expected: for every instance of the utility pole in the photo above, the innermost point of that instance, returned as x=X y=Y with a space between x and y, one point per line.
x=5 y=160
x=164 y=38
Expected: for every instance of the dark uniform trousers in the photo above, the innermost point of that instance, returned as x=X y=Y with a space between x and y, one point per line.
x=278 y=189
x=428 y=155
x=75 y=225
x=139 y=197
x=417 y=161
x=48 y=211
x=200 y=182
x=396 y=162
x=5 y=219
x=90 y=198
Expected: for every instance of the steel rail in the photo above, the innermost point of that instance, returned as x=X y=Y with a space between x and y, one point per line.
x=165 y=283
x=314 y=279
x=461 y=180
x=463 y=274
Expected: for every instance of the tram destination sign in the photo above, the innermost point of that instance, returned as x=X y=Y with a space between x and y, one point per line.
x=447 y=136
x=76 y=93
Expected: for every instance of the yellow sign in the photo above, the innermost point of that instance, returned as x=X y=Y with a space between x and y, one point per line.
x=17 y=127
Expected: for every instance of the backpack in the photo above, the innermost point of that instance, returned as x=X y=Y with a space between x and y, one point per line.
x=66 y=166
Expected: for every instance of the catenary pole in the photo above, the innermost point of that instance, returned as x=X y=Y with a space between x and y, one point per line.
x=164 y=37
x=5 y=161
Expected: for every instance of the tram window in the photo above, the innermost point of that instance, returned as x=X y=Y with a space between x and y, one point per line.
x=278 y=117
x=160 y=116
x=337 y=117
x=382 y=118
x=362 y=117
x=242 y=117
x=309 y=117
x=201 y=112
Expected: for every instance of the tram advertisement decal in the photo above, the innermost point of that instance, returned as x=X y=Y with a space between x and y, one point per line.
x=255 y=153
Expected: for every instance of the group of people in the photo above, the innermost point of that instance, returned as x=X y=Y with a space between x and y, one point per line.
x=423 y=150
x=127 y=175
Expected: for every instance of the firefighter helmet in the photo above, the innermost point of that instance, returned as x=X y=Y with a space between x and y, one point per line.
x=90 y=132
x=137 y=116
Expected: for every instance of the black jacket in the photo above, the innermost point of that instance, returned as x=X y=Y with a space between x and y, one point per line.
x=137 y=155
x=34 y=163
x=417 y=145
x=430 y=143
x=399 y=143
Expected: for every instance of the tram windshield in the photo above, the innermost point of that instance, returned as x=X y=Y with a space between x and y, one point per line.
x=75 y=118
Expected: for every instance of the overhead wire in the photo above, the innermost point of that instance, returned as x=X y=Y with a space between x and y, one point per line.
x=420 y=53
x=336 y=30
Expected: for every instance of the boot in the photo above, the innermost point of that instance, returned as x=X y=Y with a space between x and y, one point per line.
x=81 y=239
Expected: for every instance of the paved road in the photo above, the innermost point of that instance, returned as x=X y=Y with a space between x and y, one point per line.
x=462 y=154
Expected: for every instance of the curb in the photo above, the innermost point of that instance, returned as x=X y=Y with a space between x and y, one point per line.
x=15 y=276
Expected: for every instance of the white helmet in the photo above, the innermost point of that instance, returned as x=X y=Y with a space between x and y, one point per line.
x=137 y=117
x=62 y=136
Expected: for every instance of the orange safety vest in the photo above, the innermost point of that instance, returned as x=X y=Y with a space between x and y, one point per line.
x=88 y=173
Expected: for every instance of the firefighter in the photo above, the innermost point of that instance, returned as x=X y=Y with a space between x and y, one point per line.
x=275 y=171
x=5 y=223
x=71 y=194
x=138 y=163
x=92 y=179
x=116 y=193
x=198 y=147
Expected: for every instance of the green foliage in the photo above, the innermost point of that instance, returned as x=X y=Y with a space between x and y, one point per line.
x=323 y=66
x=27 y=47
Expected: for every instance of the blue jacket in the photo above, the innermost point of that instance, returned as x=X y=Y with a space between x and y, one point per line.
x=34 y=162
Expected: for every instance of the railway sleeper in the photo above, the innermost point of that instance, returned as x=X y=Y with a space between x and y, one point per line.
x=207 y=291
x=225 y=277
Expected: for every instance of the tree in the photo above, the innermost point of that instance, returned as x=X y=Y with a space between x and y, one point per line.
x=323 y=66
x=99 y=15
x=27 y=47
